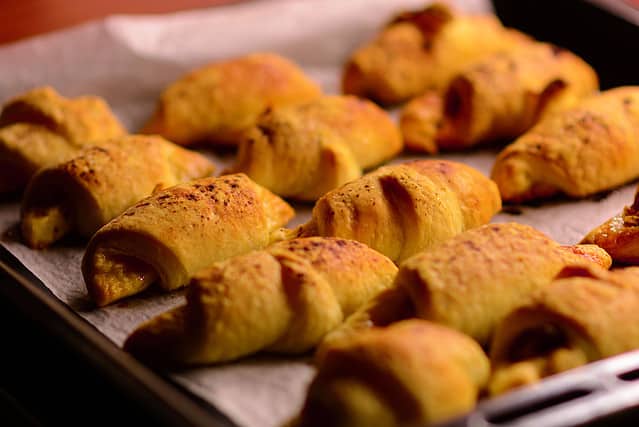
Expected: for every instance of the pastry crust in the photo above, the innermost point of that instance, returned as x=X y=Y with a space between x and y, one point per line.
x=40 y=128
x=591 y=147
x=472 y=281
x=99 y=183
x=619 y=236
x=304 y=151
x=215 y=103
x=499 y=97
x=584 y=315
x=169 y=236
x=283 y=299
x=423 y=50
x=411 y=373
x=403 y=209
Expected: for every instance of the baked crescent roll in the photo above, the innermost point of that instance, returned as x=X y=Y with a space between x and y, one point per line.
x=97 y=185
x=619 y=236
x=169 y=236
x=41 y=128
x=215 y=103
x=304 y=151
x=591 y=147
x=585 y=314
x=402 y=209
x=411 y=373
x=283 y=299
x=500 y=96
x=472 y=281
x=423 y=50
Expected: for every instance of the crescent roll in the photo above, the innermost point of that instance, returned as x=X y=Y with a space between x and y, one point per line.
x=411 y=373
x=619 y=236
x=304 y=151
x=499 y=97
x=472 y=281
x=423 y=50
x=586 y=314
x=591 y=147
x=97 y=185
x=169 y=236
x=215 y=103
x=41 y=128
x=283 y=299
x=402 y=209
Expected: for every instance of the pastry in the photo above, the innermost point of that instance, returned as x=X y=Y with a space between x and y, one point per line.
x=412 y=373
x=41 y=128
x=423 y=50
x=498 y=97
x=619 y=236
x=403 y=209
x=283 y=299
x=585 y=314
x=472 y=281
x=86 y=192
x=215 y=103
x=304 y=151
x=169 y=236
x=591 y=147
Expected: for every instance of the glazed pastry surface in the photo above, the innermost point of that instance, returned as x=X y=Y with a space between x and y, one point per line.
x=498 y=97
x=99 y=183
x=402 y=209
x=41 y=128
x=282 y=299
x=423 y=50
x=591 y=147
x=411 y=373
x=167 y=237
x=216 y=103
x=304 y=151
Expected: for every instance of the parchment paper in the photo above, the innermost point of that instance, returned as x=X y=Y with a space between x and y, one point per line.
x=128 y=60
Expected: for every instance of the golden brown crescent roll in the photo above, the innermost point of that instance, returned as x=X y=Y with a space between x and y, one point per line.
x=98 y=184
x=423 y=50
x=472 y=281
x=41 y=128
x=498 y=97
x=304 y=151
x=619 y=236
x=215 y=103
x=591 y=147
x=584 y=315
x=283 y=299
x=410 y=373
x=169 y=236
x=403 y=209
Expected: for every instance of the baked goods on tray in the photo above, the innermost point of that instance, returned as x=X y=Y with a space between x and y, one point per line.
x=472 y=281
x=303 y=151
x=169 y=236
x=619 y=236
x=586 y=314
x=591 y=147
x=100 y=182
x=423 y=50
x=215 y=103
x=41 y=128
x=412 y=373
x=402 y=209
x=283 y=299
x=498 y=97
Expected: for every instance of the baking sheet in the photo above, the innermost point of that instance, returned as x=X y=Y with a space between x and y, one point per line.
x=128 y=60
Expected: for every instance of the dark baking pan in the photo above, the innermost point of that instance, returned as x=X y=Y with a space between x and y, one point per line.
x=165 y=402
x=603 y=32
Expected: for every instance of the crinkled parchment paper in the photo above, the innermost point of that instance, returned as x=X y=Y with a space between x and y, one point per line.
x=128 y=60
